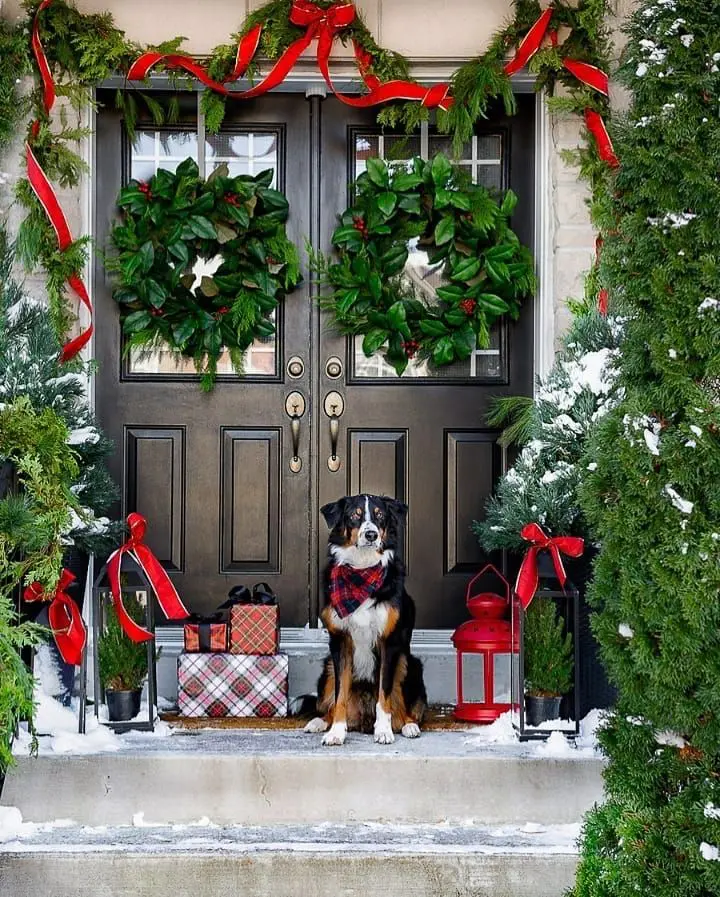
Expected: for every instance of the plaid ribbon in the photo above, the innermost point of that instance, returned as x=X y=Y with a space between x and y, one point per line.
x=350 y=587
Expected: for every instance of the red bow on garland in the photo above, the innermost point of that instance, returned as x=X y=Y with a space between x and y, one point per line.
x=165 y=591
x=43 y=189
x=66 y=622
x=321 y=25
x=527 y=579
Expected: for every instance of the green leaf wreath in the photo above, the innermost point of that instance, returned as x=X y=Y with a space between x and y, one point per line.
x=463 y=229
x=177 y=220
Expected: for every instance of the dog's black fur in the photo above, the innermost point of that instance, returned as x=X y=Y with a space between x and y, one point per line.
x=396 y=673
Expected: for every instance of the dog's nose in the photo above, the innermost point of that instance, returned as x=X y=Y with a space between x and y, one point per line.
x=370 y=535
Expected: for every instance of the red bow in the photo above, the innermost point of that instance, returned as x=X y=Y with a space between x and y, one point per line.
x=43 y=189
x=320 y=24
x=527 y=579
x=66 y=622
x=167 y=595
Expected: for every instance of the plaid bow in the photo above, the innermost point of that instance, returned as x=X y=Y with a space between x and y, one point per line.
x=349 y=587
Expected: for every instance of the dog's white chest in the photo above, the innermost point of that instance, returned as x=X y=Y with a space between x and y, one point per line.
x=364 y=626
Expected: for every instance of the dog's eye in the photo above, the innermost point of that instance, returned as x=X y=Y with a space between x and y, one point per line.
x=379 y=516
x=356 y=515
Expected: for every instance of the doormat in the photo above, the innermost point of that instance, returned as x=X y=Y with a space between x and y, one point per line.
x=438 y=718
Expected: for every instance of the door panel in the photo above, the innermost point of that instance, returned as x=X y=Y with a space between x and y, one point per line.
x=423 y=437
x=212 y=472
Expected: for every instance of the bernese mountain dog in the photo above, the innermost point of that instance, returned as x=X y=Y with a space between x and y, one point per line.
x=370 y=681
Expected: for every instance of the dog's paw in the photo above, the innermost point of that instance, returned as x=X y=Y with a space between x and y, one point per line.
x=384 y=736
x=316 y=725
x=383 y=726
x=336 y=735
x=410 y=730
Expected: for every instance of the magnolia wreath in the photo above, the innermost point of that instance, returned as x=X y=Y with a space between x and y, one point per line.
x=462 y=234
x=201 y=265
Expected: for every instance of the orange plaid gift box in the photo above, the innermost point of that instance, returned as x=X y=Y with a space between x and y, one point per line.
x=254 y=622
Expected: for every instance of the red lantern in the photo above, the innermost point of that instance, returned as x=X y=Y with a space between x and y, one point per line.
x=484 y=646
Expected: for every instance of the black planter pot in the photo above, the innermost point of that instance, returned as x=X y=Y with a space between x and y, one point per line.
x=539 y=710
x=122 y=705
x=8 y=478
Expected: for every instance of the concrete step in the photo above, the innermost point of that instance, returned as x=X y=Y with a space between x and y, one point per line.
x=371 y=860
x=266 y=778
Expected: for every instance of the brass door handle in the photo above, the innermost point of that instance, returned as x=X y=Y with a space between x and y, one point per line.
x=334 y=406
x=295 y=408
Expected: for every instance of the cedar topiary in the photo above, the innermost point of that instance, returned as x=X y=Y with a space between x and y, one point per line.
x=123 y=663
x=548 y=651
x=654 y=501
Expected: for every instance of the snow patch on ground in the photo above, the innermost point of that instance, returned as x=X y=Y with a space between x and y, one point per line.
x=502 y=732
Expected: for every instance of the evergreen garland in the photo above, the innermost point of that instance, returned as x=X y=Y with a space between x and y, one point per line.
x=14 y=64
x=84 y=50
x=653 y=502
x=460 y=226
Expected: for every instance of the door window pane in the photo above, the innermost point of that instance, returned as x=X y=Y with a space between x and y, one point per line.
x=482 y=159
x=245 y=152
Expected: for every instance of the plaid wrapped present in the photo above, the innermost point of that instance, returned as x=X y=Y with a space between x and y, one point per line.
x=205 y=637
x=218 y=685
x=254 y=629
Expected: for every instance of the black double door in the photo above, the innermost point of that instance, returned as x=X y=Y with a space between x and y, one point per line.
x=215 y=475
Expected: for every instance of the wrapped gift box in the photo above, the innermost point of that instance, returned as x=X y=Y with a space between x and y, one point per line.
x=206 y=637
x=219 y=685
x=254 y=629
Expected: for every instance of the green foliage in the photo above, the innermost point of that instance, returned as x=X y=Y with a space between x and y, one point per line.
x=16 y=681
x=653 y=501
x=31 y=546
x=123 y=663
x=542 y=484
x=14 y=63
x=30 y=367
x=177 y=220
x=515 y=415
x=461 y=227
x=548 y=651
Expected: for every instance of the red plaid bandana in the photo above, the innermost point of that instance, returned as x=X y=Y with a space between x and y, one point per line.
x=350 y=587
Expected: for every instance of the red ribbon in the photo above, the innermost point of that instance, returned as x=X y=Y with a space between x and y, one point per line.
x=530 y=44
x=321 y=25
x=589 y=74
x=596 y=126
x=66 y=622
x=527 y=579
x=160 y=582
x=43 y=189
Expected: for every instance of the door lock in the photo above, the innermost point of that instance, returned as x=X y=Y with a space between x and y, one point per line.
x=295 y=408
x=295 y=367
x=334 y=406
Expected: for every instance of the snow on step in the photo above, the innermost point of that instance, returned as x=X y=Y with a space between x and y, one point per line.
x=262 y=778
x=295 y=861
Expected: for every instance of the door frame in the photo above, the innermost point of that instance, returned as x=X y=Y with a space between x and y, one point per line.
x=297 y=639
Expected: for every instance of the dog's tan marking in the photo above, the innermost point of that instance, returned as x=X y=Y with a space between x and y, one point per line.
x=393 y=615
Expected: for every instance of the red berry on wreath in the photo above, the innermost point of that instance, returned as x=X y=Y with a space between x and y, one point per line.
x=410 y=347
x=144 y=187
x=232 y=199
x=359 y=225
x=468 y=306
x=221 y=311
x=156 y=312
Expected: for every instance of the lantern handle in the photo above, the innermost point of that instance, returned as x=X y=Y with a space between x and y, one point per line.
x=485 y=569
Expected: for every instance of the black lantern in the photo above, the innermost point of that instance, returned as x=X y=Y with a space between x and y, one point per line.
x=545 y=622
x=135 y=590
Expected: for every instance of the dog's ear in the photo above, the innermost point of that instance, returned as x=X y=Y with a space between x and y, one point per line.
x=333 y=513
x=397 y=509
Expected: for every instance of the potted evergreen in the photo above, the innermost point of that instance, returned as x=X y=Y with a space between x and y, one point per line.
x=548 y=661
x=123 y=665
